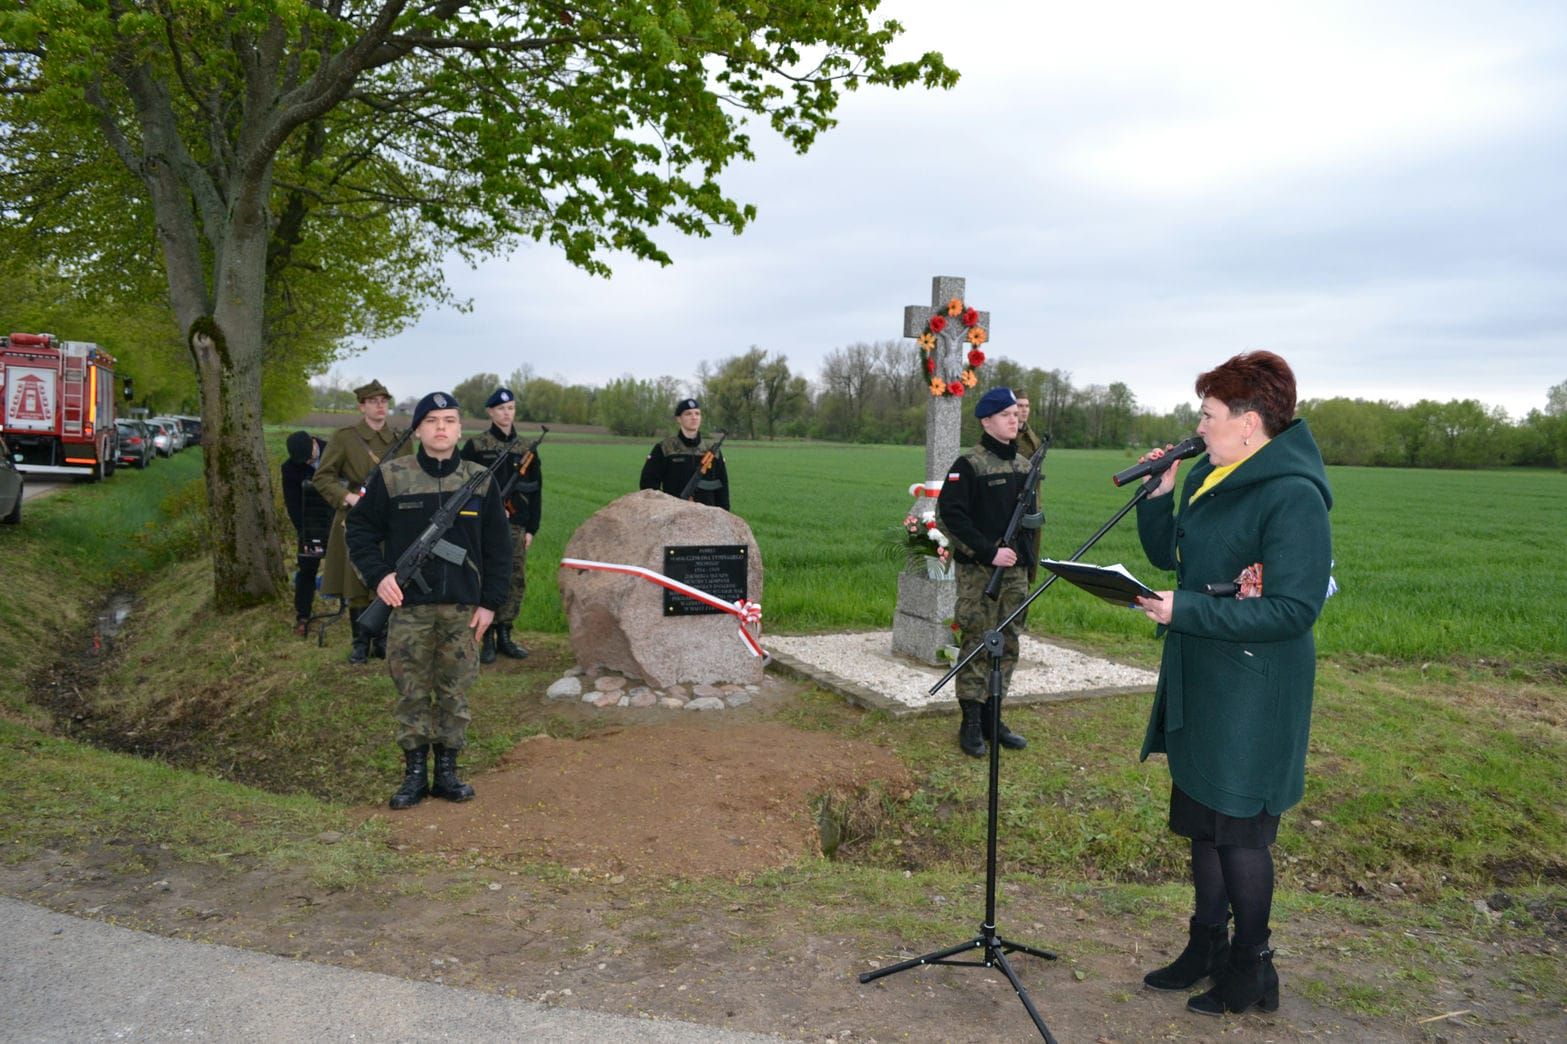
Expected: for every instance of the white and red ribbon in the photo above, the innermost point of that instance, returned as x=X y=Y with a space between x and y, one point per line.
x=747 y=612
x=925 y=489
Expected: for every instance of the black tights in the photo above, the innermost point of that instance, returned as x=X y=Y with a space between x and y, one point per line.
x=1228 y=879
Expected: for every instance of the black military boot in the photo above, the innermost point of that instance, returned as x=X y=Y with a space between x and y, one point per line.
x=378 y=643
x=1207 y=953
x=446 y=784
x=416 y=779
x=1247 y=980
x=506 y=647
x=487 y=646
x=971 y=738
x=1008 y=738
x=360 y=653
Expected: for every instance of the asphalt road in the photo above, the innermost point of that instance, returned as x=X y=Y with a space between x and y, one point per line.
x=35 y=486
x=69 y=979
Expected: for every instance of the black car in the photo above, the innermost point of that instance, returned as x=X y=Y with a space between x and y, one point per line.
x=10 y=488
x=135 y=443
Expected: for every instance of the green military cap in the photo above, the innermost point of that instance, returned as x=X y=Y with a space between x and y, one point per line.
x=371 y=390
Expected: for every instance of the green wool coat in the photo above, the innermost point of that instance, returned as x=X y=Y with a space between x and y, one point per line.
x=1233 y=707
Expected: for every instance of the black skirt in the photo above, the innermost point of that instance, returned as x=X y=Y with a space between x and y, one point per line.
x=1191 y=818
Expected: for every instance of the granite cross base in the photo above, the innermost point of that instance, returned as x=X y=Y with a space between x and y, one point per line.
x=860 y=668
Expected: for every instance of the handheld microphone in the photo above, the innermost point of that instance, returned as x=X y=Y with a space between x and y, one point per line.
x=1222 y=590
x=1180 y=451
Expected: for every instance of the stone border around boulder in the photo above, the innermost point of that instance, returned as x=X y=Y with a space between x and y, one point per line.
x=602 y=688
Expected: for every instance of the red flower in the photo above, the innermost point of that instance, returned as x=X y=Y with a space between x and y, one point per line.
x=976 y=358
x=955 y=388
x=970 y=317
x=930 y=365
x=938 y=323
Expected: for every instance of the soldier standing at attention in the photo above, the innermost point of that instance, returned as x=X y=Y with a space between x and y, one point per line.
x=1027 y=441
x=312 y=518
x=523 y=506
x=351 y=456
x=433 y=635
x=974 y=507
x=673 y=461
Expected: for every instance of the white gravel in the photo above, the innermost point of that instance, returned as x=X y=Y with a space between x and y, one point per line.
x=863 y=668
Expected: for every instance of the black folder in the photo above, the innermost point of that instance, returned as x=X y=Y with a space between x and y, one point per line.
x=1112 y=583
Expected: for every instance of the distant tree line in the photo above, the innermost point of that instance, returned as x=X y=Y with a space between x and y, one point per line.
x=878 y=393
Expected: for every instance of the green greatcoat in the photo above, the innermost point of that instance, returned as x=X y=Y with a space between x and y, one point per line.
x=345 y=465
x=1233 y=708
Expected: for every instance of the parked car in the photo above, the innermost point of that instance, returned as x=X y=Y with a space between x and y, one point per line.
x=11 y=483
x=135 y=443
x=176 y=433
x=192 y=428
x=161 y=440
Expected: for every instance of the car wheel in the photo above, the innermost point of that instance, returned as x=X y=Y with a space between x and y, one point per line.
x=15 y=516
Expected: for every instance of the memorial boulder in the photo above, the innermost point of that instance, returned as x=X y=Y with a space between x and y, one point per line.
x=631 y=624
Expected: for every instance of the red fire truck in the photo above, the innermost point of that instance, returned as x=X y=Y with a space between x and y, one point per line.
x=57 y=405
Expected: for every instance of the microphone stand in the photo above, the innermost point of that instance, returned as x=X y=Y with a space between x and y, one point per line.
x=989 y=940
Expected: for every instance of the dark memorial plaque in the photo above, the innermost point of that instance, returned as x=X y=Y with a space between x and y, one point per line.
x=720 y=570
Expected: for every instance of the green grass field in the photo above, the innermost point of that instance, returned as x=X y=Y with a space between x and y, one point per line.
x=1431 y=564
x=1438 y=758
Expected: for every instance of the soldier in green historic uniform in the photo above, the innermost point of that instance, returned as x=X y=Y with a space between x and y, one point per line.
x=433 y=636
x=976 y=503
x=1027 y=446
x=350 y=457
x=524 y=505
x=672 y=462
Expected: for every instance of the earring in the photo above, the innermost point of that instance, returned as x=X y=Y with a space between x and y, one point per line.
x=1247 y=442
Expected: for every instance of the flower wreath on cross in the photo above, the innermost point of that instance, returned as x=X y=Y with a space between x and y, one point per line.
x=975 y=335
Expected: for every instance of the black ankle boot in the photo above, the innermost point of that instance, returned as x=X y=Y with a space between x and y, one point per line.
x=1247 y=981
x=971 y=738
x=487 y=646
x=416 y=778
x=360 y=653
x=1207 y=953
x=506 y=647
x=1007 y=738
x=447 y=785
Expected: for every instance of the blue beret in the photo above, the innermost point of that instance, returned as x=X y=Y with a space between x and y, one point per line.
x=433 y=401
x=499 y=397
x=686 y=404
x=994 y=401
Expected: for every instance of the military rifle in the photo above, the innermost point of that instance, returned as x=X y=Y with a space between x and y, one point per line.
x=431 y=543
x=528 y=456
x=696 y=480
x=1021 y=517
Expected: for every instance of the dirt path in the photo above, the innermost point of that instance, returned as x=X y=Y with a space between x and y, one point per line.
x=602 y=873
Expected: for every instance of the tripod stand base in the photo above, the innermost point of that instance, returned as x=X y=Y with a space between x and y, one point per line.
x=995 y=956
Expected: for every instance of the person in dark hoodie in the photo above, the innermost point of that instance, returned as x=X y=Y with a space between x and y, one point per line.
x=312 y=518
x=1232 y=711
x=437 y=625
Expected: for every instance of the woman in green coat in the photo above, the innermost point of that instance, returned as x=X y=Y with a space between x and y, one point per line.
x=1233 y=709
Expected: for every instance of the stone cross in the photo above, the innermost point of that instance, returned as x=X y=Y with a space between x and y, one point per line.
x=944 y=414
x=926 y=599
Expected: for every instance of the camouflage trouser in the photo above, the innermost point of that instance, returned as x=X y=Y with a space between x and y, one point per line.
x=977 y=614
x=519 y=577
x=433 y=660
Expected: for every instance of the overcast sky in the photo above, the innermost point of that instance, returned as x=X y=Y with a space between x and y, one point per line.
x=1135 y=191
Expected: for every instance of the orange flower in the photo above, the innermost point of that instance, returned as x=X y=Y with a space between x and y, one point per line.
x=927 y=340
x=938 y=386
x=968 y=378
x=977 y=336
x=955 y=306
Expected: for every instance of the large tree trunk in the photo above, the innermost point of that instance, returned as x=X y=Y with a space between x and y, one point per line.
x=247 y=556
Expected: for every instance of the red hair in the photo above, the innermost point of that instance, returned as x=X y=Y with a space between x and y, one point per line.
x=1260 y=381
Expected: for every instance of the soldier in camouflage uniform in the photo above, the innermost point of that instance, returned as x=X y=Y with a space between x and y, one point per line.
x=524 y=504
x=435 y=629
x=975 y=505
x=1027 y=446
x=673 y=461
x=350 y=457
